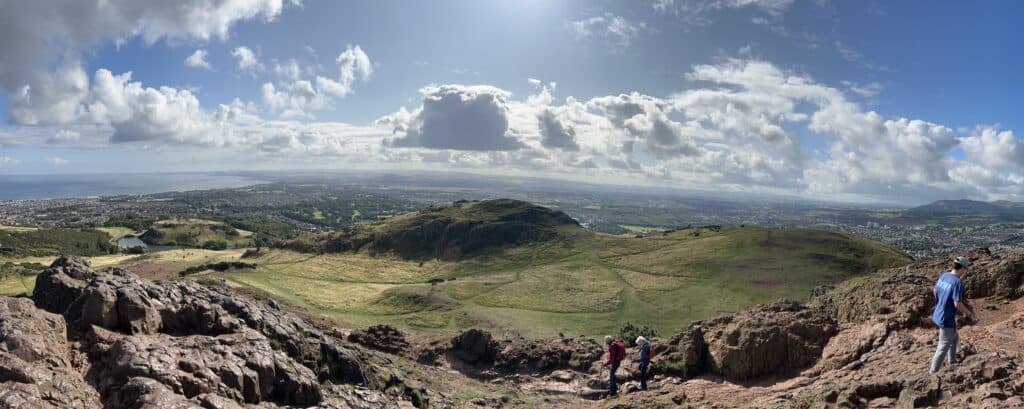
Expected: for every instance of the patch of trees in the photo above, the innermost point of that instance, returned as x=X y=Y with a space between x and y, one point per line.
x=215 y=245
x=135 y=250
x=53 y=241
x=219 y=266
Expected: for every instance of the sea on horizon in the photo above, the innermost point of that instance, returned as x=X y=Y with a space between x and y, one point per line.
x=24 y=187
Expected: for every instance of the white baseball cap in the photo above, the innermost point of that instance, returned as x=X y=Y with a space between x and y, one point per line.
x=963 y=261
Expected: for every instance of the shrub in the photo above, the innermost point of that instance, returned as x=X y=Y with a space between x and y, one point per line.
x=215 y=245
x=219 y=266
x=629 y=332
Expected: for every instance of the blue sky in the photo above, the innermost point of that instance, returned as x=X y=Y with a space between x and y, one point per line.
x=871 y=101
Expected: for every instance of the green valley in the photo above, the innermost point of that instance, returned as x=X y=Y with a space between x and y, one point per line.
x=511 y=265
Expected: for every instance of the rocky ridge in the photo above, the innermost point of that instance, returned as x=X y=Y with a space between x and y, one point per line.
x=109 y=339
x=865 y=343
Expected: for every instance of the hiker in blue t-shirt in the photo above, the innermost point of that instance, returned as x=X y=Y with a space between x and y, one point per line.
x=949 y=298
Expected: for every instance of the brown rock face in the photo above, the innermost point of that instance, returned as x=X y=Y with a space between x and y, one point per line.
x=770 y=339
x=240 y=366
x=904 y=295
x=36 y=369
x=177 y=345
x=382 y=338
x=475 y=347
x=548 y=354
x=682 y=355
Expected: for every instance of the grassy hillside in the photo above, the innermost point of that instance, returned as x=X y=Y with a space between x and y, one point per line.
x=196 y=233
x=451 y=232
x=578 y=283
x=509 y=265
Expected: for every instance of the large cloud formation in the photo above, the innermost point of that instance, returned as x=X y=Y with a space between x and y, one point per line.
x=37 y=35
x=457 y=117
x=739 y=124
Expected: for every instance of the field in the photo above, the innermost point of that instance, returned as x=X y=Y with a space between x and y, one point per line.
x=117 y=233
x=583 y=283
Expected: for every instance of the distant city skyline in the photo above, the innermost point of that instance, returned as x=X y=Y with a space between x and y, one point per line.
x=839 y=101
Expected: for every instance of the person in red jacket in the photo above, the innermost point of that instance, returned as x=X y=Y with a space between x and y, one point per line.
x=616 y=353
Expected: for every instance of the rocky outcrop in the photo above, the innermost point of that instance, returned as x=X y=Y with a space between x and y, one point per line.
x=475 y=347
x=682 y=355
x=1000 y=275
x=545 y=355
x=37 y=367
x=771 y=339
x=240 y=366
x=904 y=295
x=775 y=338
x=140 y=344
x=382 y=338
x=520 y=355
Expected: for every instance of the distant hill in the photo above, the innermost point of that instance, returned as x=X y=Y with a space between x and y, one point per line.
x=447 y=232
x=999 y=207
x=512 y=264
x=195 y=233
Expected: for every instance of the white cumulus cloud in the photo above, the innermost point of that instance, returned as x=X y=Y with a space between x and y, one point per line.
x=198 y=60
x=247 y=59
x=353 y=65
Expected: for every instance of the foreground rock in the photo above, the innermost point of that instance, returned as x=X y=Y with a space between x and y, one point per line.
x=176 y=344
x=771 y=339
x=904 y=296
x=37 y=368
x=868 y=343
x=520 y=355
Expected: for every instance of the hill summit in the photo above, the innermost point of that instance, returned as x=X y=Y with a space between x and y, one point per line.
x=964 y=206
x=446 y=232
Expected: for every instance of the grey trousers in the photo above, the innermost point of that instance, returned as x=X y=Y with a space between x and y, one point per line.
x=948 y=338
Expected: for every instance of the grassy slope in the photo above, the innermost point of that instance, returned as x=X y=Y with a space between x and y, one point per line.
x=157 y=265
x=583 y=283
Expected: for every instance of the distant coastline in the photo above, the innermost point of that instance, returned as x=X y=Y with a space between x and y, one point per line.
x=26 y=187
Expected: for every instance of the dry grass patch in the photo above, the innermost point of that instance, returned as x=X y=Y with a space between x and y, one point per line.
x=11 y=285
x=17 y=229
x=356 y=268
x=679 y=258
x=644 y=281
x=562 y=287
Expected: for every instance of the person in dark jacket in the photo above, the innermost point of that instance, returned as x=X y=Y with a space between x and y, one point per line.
x=616 y=353
x=644 y=361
